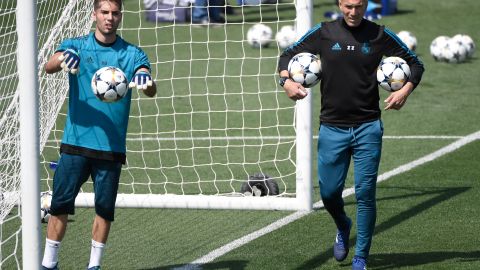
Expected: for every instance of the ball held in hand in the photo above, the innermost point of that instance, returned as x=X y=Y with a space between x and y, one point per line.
x=109 y=84
x=306 y=69
x=392 y=73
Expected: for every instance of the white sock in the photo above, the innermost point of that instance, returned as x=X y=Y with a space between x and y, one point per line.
x=50 y=257
x=96 y=253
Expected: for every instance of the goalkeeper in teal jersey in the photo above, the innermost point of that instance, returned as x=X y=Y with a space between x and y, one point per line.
x=93 y=143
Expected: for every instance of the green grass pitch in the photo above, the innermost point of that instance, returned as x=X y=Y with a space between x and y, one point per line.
x=428 y=217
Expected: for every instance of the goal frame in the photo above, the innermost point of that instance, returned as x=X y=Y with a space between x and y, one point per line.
x=29 y=133
x=28 y=61
x=304 y=188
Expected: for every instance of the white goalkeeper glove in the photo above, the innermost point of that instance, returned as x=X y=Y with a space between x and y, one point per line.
x=141 y=80
x=70 y=61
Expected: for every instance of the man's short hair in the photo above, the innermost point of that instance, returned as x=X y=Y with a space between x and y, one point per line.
x=96 y=3
x=364 y=1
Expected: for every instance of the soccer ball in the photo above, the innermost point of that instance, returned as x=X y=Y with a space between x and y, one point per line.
x=45 y=202
x=286 y=36
x=466 y=41
x=259 y=35
x=409 y=39
x=306 y=69
x=109 y=84
x=392 y=73
x=438 y=47
x=455 y=52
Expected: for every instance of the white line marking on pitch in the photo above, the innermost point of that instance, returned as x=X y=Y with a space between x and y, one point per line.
x=196 y=264
x=242 y=138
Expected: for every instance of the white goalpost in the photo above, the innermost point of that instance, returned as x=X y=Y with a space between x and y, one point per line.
x=20 y=144
x=220 y=134
x=28 y=129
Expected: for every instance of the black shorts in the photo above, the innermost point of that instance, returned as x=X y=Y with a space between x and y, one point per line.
x=72 y=171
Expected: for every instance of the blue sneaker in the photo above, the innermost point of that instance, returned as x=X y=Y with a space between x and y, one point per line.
x=94 y=268
x=359 y=263
x=340 y=247
x=53 y=268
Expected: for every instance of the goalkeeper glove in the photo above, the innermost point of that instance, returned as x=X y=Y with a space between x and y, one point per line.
x=70 y=61
x=141 y=80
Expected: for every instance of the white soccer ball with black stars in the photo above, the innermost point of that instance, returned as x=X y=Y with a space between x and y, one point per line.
x=466 y=41
x=286 y=36
x=455 y=52
x=45 y=203
x=259 y=35
x=392 y=73
x=306 y=69
x=109 y=84
x=438 y=47
x=409 y=39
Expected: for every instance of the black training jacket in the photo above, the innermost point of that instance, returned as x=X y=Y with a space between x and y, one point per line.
x=350 y=57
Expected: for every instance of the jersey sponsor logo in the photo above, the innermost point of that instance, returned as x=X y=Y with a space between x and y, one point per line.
x=336 y=47
x=366 y=48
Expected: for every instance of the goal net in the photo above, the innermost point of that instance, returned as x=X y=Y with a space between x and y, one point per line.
x=219 y=133
x=56 y=20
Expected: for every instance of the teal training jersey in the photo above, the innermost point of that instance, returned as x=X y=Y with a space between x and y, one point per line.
x=91 y=123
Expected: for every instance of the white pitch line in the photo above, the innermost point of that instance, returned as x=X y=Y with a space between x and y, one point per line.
x=196 y=264
x=423 y=137
x=242 y=138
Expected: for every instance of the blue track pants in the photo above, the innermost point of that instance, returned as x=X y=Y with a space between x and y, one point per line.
x=336 y=147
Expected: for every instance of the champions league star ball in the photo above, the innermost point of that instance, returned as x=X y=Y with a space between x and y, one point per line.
x=259 y=35
x=438 y=47
x=286 y=36
x=392 y=73
x=109 y=84
x=466 y=41
x=45 y=202
x=456 y=49
x=455 y=52
x=409 y=39
x=306 y=69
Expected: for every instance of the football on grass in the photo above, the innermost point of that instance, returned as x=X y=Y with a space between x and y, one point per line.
x=306 y=69
x=392 y=73
x=259 y=35
x=455 y=51
x=45 y=202
x=286 y=36
x=109 y=84
x=409 y=39
x=467 y=41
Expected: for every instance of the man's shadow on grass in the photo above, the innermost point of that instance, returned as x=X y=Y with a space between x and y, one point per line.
x=394 y=260
x=377 y=261
x=228 y=265
x=384 y=261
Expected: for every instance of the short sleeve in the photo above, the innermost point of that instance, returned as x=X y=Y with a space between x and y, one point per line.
x=67 y=44
x=141 y=60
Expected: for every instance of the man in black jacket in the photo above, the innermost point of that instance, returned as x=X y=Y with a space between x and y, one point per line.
x=350 y=49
